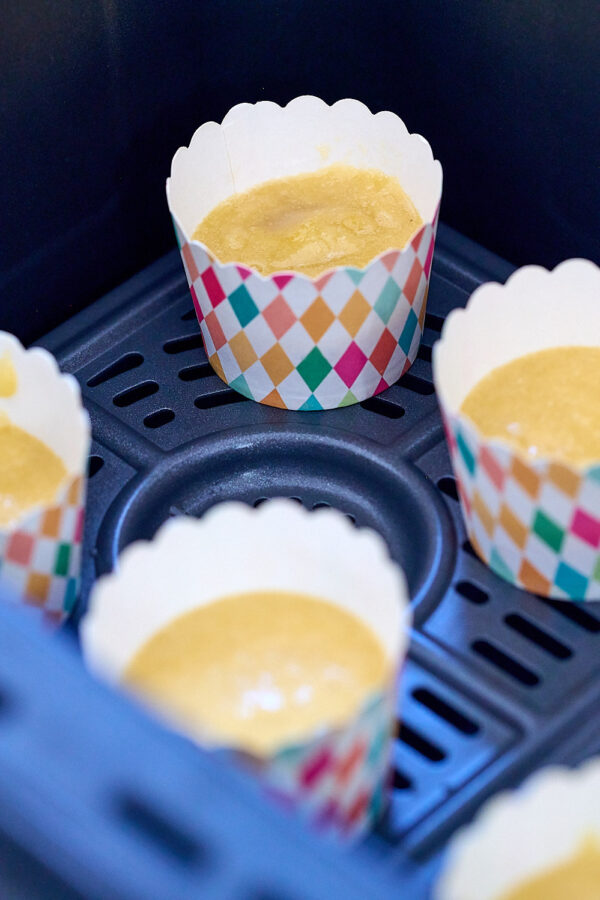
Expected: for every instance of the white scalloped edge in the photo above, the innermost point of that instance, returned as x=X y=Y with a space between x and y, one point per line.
x=47 y=404
x=234 y=549
x=520 y=834
x=256 y=142
x=534 y=310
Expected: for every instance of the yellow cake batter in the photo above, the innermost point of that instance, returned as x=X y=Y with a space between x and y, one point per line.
x=546 y=403
x=30 y=473
x=576 y=879
x=259 y=670
x=336 y=216
x=8 y=377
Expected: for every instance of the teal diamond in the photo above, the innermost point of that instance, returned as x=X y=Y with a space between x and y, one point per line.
x=572 y=582
x=467 y=456
x=408 y=332
x=240 y=385
x=70 y=595
x=243 y=305
x=596 y=574
x=498 y=566
x=356 y=275
x=176 y=232
x=387 y=300
x=595 y=473
x=548 y=531
x=348 y=400
x=376 y=748
x=311 y=404
x=61 y=563
x=314 y=368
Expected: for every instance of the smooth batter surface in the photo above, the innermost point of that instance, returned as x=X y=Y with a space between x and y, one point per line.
x=547 y=403
x=339 y=215
x=30 y=473
x=576 y=879
x=8 y=377
x=258 y=670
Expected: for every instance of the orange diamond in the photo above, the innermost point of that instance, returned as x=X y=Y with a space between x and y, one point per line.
x=354 y=313
x=216 y=364
x=243 y=351
x=533 y=580
x=51 y=522
x=317 y=319
x=277 y=364
x=37 y=588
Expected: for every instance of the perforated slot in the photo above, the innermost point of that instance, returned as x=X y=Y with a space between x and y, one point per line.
x=95 y=463
x=505 y=663
x=223 y=398
x=434 y=322
x=416 y=385
x=181 y=344
x=424 y=352
x=195 y=373
x=125 y=364
x=401 y=781
x=189 y=316
x=445 y=711
x=136 y=393
x=534 y=634
x=159 y=418
x=420 y=744
x=164 y=835
x=383 y=407
x=574 y=613
x=471 y=592
x=447 y=485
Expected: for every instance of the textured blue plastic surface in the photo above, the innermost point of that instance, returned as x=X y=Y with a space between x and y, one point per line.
x=497 y=681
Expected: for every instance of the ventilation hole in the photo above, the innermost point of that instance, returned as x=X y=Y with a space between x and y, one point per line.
x=181 y=344
x=194 y=373
x=223 y=398
x=574 y=613
x=445 y=711
x=471 y=592
x=176 y=511
x=447 y=486
x=416 y=385
x=321 y=505
x=259 y=502
x=135 y=394
x=296 y=500
x=468 y=548
x=424 y=353
x=351 y=518
x=119 y=367
x=419 y=743
x=502 y=661
x=159 y=418
x=434 y=322
x=164 y=835
x=400 y=781
x=383 y=408
x=189 y=315
x=537 y=636
x=95 y=463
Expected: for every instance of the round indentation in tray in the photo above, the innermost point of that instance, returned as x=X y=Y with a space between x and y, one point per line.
x=316 y=468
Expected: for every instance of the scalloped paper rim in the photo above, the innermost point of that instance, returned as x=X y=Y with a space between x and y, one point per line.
x=46 y=404
x=536 y=309
x=277 y=546
x=523 y=833
x=256 y=142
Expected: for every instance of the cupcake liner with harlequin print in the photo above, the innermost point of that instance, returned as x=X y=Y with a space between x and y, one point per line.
x=288 y=340
x=521 y=835
x=534 y=521
x=336 y=776
x=40 y=553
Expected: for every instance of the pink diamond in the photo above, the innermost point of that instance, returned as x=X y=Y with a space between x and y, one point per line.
x=282 y=280
x=351 y=364
x=279 y=316
x=196 y=302
x=244 y=273
x=212 y=287
x=586 y=527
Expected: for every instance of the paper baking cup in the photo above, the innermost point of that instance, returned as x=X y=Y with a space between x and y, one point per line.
x=522 y=834
x=288 y=340
x=40 y=554
x=535 y=522
x=335 y=777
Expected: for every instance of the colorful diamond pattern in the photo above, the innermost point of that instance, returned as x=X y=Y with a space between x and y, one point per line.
x=365 y=326
x=538 y=528
x=40 y=563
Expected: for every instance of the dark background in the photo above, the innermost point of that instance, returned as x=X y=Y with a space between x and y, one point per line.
x=96 y=95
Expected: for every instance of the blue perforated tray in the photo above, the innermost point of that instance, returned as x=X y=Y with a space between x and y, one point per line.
x=497 y=682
